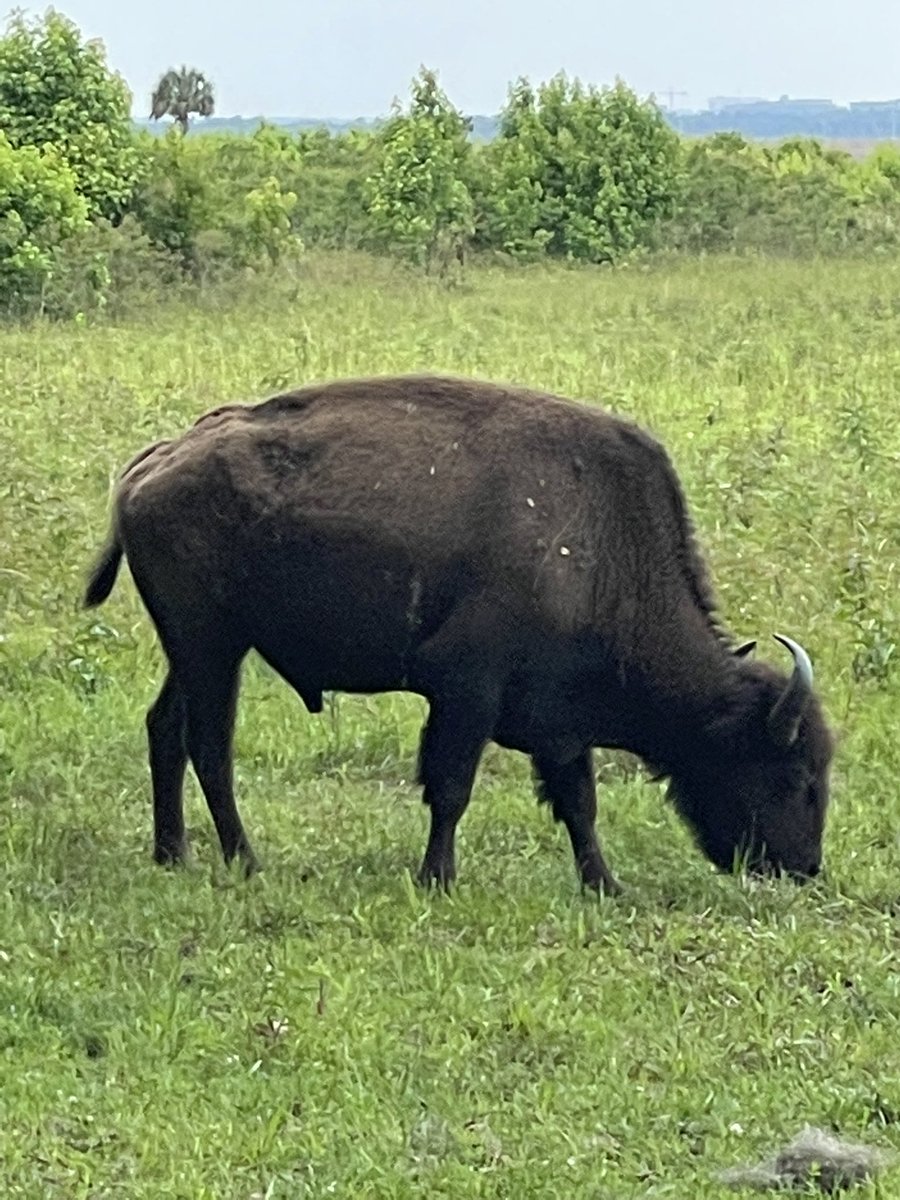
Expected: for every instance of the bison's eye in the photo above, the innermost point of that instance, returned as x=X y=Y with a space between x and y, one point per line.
x=812 y=796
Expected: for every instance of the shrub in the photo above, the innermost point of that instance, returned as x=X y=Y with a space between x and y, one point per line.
x=112 y=269
x=57 y=90
x=794 y=198
x=418 y=196
x=39 y=209
x=587 y=172
x=207 y=202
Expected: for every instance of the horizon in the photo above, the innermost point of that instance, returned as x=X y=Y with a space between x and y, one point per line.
x=348 y=118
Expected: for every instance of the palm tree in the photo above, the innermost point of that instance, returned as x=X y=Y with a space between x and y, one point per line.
x=180 y=93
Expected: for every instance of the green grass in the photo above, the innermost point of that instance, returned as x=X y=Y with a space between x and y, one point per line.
x=326 y=1029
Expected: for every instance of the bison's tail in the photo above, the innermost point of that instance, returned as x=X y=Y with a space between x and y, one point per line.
x=103 y=575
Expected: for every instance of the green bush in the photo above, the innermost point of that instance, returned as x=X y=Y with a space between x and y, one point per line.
x=725 y=183
x=178 y=198
x=56 y=89
x=794 y=198
x=208 y=202
x=262 y=228
x=325 y=173
x=39 y=209
x=586 y=172
x=508 y=200
x=332 y=200
x=418 y=195
x=111 y=269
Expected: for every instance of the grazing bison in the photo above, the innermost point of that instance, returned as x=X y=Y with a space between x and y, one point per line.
x=524 y=563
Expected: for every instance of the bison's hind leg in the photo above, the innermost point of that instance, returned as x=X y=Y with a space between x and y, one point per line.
x=166 y=730
x=205 y=666
x=211 y=701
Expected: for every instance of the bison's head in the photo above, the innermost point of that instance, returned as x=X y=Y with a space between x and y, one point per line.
x=759 y=791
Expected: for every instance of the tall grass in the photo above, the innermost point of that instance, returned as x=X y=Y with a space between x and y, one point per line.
x=326 y=1029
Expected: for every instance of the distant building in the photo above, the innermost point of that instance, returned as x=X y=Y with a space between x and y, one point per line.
x=874 y=105
x=792 y=117
x=724 y=103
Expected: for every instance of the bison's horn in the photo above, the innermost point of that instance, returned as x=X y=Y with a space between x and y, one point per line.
x=784 y=719
x=743 y=650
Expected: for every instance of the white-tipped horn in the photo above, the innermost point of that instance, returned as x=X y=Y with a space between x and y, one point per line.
x=787 y=713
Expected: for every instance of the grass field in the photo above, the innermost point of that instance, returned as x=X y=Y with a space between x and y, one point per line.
x=326 y=1029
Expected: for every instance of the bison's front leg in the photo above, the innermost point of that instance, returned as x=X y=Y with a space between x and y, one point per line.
x=452 y=742
x=569 y=788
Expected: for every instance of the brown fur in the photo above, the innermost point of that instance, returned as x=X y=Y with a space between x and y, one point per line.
x=525 y=563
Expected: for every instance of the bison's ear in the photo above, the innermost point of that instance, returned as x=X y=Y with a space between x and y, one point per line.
x=745 y=649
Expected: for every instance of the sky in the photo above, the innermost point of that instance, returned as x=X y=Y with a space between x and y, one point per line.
x=350 y=58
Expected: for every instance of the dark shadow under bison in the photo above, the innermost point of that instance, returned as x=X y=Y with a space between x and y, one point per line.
x=525 y=563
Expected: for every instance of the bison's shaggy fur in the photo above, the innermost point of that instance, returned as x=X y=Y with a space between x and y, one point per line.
x=525 y=563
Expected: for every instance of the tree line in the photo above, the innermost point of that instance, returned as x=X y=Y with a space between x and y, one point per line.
x=92 y=209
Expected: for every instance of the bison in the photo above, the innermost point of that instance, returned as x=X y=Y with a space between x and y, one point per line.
x=523 y=562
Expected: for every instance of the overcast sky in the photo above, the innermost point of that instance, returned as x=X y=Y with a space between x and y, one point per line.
x=349 y=58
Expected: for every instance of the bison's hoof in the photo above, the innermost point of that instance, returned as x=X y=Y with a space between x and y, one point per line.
x=250 y=865
x=603 y=885
x=166 y=855
x=440 y=876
